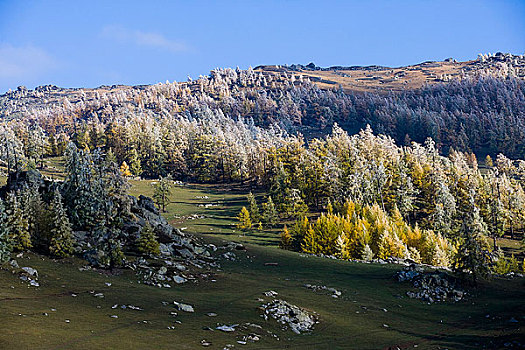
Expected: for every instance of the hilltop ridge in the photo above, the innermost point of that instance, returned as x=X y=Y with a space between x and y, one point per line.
x=383 y=79
x=406 y=103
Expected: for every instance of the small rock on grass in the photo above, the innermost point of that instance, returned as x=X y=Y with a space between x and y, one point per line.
x=183 y=307
x=226 y=328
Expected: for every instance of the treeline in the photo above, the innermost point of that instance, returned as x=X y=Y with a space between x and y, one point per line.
x=483 y=115
x=384 y=200
x=427 y=188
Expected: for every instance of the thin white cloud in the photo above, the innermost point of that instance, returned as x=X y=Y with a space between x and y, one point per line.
x=23 y=62
x=145 y=39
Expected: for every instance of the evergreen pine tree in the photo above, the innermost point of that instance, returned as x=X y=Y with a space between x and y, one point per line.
x=253 y=208
x=110 y=157
x=37 y=215
x=116 y=256
x=270 y=215
x=5 y=241
x=83 y=190
x=472 y=255
x=162 y=192
x=147 y=242
x=110 y=247
x=134 y=162
x=17 y=223
x=61 y=235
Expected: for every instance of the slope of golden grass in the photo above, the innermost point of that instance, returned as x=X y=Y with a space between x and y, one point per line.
x=376 y=78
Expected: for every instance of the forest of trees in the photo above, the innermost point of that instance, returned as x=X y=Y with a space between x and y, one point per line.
x=483 y=114
x=92 y=198
x=399 y=194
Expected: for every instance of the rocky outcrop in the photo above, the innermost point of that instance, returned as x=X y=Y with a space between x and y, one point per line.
x=31 y=178
x=430 y=287
x=174 y=243
x=297 y=319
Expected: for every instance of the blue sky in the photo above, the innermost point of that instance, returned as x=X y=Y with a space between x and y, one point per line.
x=90 y=43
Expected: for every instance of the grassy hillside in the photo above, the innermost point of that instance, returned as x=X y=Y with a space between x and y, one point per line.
x=354 y=321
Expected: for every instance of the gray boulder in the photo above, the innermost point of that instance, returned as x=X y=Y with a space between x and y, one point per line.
x=30 y=271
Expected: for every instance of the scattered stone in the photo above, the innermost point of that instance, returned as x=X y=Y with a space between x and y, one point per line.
x=29 y=274
x=114 y=316
x=183 y=307
x=431 y=287
x=67 y=321
x=408 y=274
x=271 y=293
x=14 y=264
x=179 y=279
x=211 y=314
x=335 y=292
x=180 y=267
x=226 y=328
x=99 y=295
x=297 y=319
x=108 y=284
x=205 y=343
x=30 y=271
x=229 y=256
x=253 y=338
x=34 y=283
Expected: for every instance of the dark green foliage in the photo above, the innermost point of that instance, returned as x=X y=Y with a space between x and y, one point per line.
x=17 y=223
x=162 y=192
x=147 y=243
x=270 y=216
x=472 y=256
x=5 y=241
x=253 y=208
x=38 y=217
x=61 y=236
x=95 y=191
x=109 y=247
x=82 y=191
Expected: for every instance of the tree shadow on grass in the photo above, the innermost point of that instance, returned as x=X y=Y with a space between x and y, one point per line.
x=469 y=340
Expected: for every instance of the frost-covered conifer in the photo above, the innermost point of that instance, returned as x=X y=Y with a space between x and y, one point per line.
x=5 y=240
x=61 y=237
